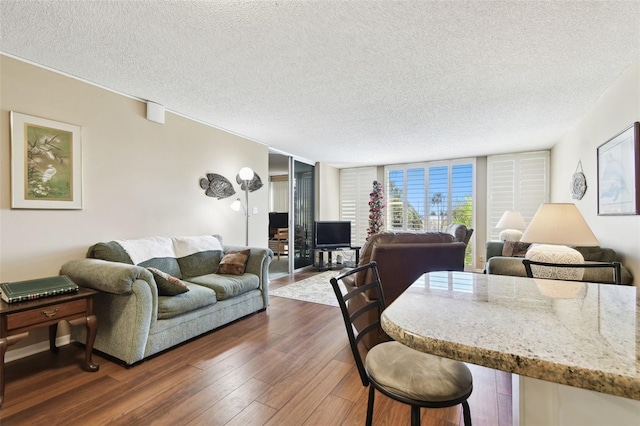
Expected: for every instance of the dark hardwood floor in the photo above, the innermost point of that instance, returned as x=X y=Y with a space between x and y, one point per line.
x=289 y=365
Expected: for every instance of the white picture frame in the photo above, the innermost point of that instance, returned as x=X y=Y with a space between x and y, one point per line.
x=46 y=163
x=619 y=174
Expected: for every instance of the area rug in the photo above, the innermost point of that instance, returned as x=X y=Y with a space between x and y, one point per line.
x=316 y=289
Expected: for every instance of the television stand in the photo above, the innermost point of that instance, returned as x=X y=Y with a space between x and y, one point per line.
x=330 y=265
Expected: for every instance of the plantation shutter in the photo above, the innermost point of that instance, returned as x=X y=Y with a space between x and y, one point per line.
x=517 y=182
x=438 y=197
x=415 y=199
x=394 y=194
x=355 y=187
x=461 y=199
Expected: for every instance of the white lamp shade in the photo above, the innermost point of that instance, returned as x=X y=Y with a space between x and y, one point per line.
x=236 y=205
x=246 y=173
x=511 y=220
x=560 y=224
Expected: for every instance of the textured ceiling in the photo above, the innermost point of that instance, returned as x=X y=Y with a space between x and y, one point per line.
x=346 y=82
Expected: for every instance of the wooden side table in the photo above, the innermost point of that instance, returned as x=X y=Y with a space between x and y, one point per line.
x=17 y=319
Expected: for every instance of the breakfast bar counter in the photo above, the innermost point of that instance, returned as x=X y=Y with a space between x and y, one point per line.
x=558 y=336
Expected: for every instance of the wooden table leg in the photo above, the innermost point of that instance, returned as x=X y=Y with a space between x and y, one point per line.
x=53 y=331
x=3 y=350
x=92 y=330
x=91 y=322
x=5 y=342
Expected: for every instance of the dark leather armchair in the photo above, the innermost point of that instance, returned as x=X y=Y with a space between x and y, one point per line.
x=402 y=258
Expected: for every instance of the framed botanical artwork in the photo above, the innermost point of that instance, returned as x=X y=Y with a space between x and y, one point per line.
x=619 y=173
x=46 y=163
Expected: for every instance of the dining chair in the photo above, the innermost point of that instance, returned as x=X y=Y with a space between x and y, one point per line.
x=617 y=267
x=397 y=371
x=282 y=238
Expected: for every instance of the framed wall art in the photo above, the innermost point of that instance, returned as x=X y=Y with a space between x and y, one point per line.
x=46 y=163
x=619 y=173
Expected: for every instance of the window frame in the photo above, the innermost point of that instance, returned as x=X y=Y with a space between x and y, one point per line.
x=426 y=203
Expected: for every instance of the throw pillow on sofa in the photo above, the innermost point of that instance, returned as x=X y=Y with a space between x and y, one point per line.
x=515 y=248
x=168 y=285
x=234 y=262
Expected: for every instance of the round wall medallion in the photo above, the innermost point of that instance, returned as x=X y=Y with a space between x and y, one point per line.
x=578 y=185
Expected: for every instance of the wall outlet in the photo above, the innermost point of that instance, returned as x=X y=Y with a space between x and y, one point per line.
x=255 y=210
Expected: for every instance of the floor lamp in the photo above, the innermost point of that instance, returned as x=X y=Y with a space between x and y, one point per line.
x=246 y=175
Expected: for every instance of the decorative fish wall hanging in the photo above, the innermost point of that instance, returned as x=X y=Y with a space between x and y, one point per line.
x=254 y=184
x=217 y=186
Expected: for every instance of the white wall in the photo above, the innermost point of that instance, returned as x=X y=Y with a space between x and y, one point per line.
x=328 y=192
x=616 y=110
x=140 y=178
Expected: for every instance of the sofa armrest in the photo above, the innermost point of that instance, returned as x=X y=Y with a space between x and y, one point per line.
x=110 y=277
x=605 y=275
x=257 y=264
x=126 y=307
x=493 y=249
x=115 y=278
x=499 y=265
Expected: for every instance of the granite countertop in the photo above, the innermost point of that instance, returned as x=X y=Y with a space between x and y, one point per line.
x=574 y=333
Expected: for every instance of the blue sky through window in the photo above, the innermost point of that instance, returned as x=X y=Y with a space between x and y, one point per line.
x=436 y=196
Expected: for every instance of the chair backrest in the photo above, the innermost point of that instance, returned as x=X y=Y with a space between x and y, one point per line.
x=376 y=304
x=460 y=232
x=617 y=267
x=282 y=233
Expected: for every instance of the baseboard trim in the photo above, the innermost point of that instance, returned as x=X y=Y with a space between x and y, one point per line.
x=36 y=348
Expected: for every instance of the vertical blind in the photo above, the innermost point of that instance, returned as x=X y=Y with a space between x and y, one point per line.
x=279 y=200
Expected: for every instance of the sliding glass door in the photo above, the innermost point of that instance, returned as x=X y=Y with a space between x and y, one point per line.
x=303 y=194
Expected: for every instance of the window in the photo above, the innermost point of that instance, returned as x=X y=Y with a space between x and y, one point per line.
x=430 y=196
x=516 y=182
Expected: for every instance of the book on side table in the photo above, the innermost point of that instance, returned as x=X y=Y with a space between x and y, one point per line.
x=35 y=289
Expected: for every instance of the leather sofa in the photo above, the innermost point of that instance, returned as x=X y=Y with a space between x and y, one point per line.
x=402 y=257
x=500 y=264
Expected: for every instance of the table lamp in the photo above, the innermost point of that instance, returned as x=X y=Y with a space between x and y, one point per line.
x=553 y=227
x=511 y=222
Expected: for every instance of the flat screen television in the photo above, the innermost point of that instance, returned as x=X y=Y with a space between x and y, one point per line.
x=331 y=234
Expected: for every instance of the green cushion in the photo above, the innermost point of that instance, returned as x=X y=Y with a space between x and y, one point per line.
x=110 y=251
x=597 y=254
x=201 y=263
x=228 y=286
x=165 y=264
x=197 y=297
